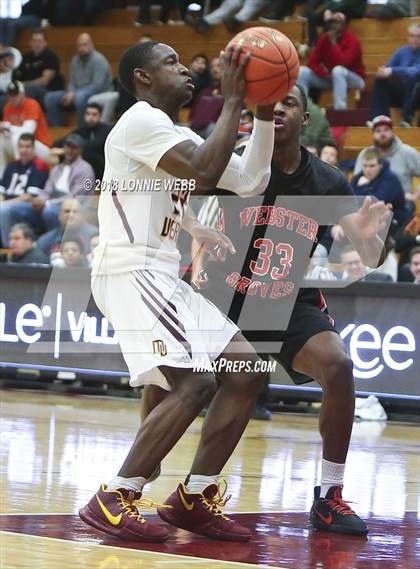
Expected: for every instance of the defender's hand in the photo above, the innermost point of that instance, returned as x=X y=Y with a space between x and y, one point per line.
x=213 y=242
x=372 y=218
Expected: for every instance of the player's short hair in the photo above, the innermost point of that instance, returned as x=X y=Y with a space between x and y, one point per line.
x=303 y=98
x=27 y=136
x=138 y=55
x=414 y=251
x=96 y=106
x=373 y=153
x=26 y=229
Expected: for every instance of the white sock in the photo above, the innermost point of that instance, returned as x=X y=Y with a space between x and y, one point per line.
x=332 y=474
x=198 y=482
x=135 y=484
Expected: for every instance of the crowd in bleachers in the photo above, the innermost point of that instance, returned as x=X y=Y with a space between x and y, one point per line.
x=46 y=214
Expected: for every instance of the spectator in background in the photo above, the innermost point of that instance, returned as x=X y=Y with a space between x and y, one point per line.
x=22 y=181
x=43 y=9
x=233 y=13
x=40 y=69
x=396 y=81
x=94 y=242
x=72 y=226
x=94 y=134
x=90 y=73
x=22 y=246
x=329 y=154
x=403 y=159
x=22 y=114
x=107 y=101
x=12 y=20
x=377 y=180
x=208 y=105
x=335 y=63
x=76 y=12
x=405 y=241
x=10 y=59
x=318 y=12
x=317 y=131
x=144 y=16
x=67 y=179
x=355 y=270
x=199 y=67
x=72 y=252
x=415 y=264
x=351 y=9
x=391 y=9
x=278 y=10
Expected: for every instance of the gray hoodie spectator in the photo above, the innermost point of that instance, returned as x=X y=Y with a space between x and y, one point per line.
x=404 y=160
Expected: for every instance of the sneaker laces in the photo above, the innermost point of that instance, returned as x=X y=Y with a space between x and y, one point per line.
x=218 y=500
x=131 y=508
x=339 y=505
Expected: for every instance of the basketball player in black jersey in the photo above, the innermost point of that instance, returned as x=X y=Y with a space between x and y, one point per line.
x=310 y=344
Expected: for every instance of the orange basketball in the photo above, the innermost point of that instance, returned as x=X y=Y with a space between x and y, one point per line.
x=274 y=65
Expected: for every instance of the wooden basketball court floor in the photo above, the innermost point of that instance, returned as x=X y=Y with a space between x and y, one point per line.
x=56 y=450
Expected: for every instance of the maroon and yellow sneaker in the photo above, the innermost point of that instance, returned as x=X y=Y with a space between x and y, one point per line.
x=116 y=513
x=200 y=513
x=332 y=513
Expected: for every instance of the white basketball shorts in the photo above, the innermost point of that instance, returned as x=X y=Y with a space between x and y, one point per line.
x=161 y=321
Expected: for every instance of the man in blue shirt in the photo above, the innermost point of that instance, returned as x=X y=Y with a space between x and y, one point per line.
x=397 y=81
x=20 y=186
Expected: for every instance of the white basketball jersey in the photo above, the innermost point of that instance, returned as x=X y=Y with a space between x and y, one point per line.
x=141 y=206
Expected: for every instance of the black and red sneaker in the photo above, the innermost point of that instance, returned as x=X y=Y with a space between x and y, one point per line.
x=200 y=513
x=333 y=514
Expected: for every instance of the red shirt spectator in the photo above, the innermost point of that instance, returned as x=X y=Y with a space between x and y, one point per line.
x=347 y=51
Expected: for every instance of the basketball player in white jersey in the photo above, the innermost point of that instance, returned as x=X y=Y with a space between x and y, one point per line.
x=162 y=325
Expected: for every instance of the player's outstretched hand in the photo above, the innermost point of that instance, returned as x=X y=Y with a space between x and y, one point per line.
x=372 y=218
x=213 y=242
x=233 y=73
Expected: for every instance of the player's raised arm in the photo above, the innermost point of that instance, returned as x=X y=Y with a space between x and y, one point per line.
x=206 y=162
x=249 y=174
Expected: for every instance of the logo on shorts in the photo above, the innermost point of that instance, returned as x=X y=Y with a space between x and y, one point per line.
x=159 y=347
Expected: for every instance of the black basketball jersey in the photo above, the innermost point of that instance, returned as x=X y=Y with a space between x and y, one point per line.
x=274 y=236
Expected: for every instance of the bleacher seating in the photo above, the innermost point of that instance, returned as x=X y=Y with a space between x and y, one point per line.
x=114 y=32
x=357 y=138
